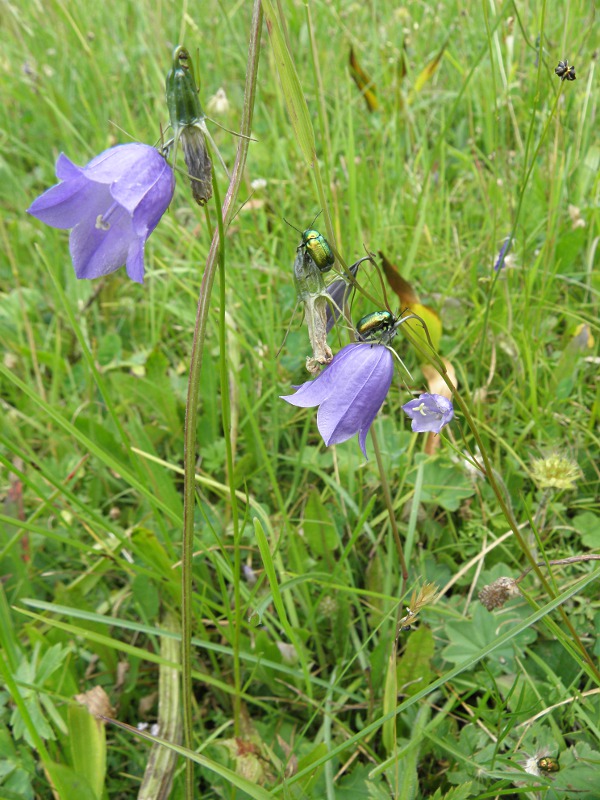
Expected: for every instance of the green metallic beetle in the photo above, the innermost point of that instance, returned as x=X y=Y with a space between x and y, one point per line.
x=316 y=245
x=376 y=325
x=548 y=764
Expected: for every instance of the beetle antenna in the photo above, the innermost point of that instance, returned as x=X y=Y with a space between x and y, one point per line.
x=315 y=219
x=291 y=226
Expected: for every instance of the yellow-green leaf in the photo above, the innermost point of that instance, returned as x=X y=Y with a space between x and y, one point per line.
x=390 y=701
x=431 y=320
x=426 y=74
x=363 y=81
x=409 y=299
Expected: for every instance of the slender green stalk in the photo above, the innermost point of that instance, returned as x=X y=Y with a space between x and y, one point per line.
x=226 y=421
x=320 y=93
x=390 y=508
x=190 y=442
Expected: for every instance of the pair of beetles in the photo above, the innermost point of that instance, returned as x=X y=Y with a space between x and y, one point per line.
x=378 y=325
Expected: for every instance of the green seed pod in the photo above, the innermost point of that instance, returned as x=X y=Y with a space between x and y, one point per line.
x=182 y=93
x=187 y=121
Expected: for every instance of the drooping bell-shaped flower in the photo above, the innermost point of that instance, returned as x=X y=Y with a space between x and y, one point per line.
x=429 y=412
x=349 y=392
x=112 y=205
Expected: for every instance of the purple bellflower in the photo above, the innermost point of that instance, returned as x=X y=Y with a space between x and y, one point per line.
x=349 y=392
x=503 y=253
x=429 y=412
x=112 y=204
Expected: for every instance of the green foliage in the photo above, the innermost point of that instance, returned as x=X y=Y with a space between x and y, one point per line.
x=17 y=768
x=35 y=675
x=87 y=738
x=467 y=637
x=414 y=667
x=300 y=681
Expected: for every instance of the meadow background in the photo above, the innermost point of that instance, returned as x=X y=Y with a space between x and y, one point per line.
x=301 y=689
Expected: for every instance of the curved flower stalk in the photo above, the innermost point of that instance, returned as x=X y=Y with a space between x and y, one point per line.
x=429 y=412
x=349 y=392
x=112 y=205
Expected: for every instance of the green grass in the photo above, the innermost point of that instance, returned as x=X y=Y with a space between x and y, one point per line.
x=299 y=688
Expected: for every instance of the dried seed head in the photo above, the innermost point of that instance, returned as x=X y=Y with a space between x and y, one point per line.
x=496 y=594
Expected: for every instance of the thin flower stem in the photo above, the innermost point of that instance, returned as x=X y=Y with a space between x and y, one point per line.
x=557 y=562
x=390 y=507
x=326 y=140
x=226 y=420
x=189 y=454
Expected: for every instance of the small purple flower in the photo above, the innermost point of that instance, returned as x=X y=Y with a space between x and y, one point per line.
x=503 y=253
x=429 y=412
x=113 y=204
x=349 y=392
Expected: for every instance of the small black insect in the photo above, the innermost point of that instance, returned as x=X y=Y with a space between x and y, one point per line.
x=565 y=72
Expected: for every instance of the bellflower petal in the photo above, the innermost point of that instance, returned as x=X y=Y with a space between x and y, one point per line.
x=429 y=412
x=60 y=206
x=112 y=205
x=349 y=392
x=66 y=169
